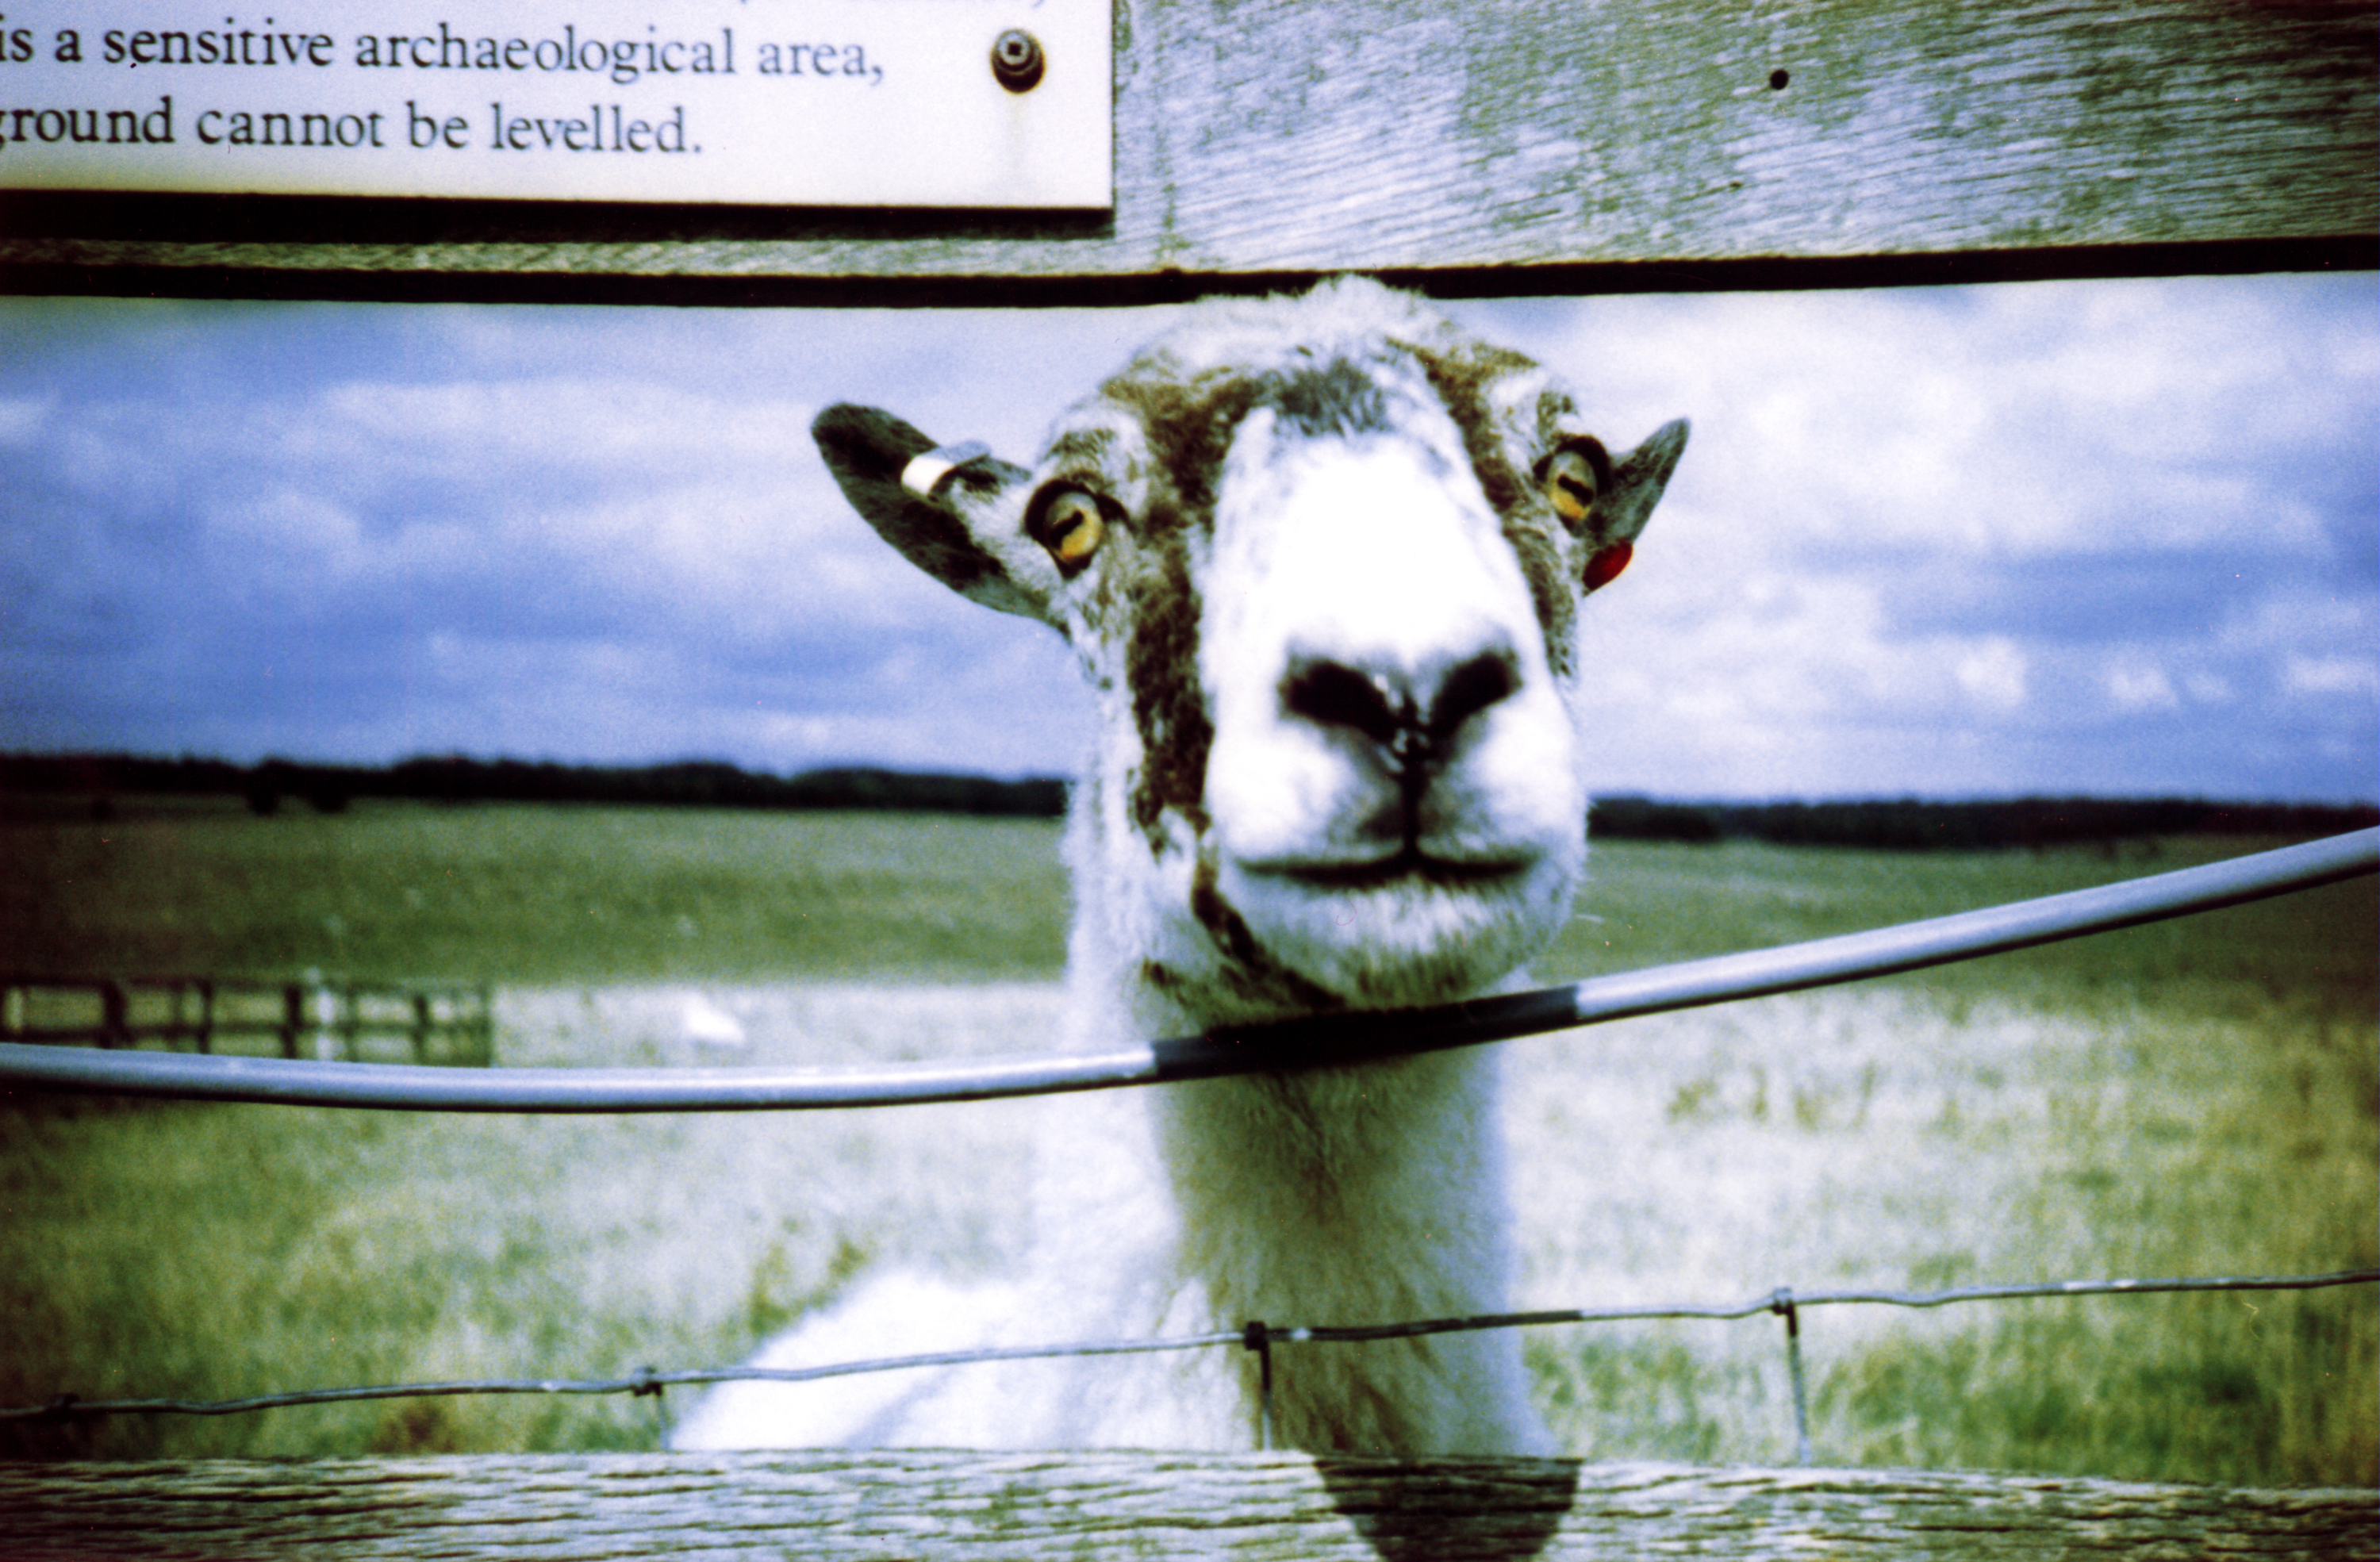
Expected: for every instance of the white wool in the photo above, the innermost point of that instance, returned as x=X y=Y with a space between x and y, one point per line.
x=1357 y=784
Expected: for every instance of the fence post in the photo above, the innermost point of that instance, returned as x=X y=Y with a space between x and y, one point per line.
x=206 y=1038
x=421 y=1027
x=293 y=1018
x=1784 y=1303
x=115 y=1014
x=1259 y=1339
x=179 y=1026
x=483 y=1027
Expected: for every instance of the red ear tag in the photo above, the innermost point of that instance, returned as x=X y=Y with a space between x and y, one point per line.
x=1605 y=567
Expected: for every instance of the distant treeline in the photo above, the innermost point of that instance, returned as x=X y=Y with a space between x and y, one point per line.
x=1914 y=825
x=1906 y=824
x=454 y=779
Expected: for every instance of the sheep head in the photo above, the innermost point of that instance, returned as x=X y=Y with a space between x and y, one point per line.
x=1321 y=559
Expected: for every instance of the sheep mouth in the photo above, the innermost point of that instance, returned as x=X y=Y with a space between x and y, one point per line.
x=1408 y=863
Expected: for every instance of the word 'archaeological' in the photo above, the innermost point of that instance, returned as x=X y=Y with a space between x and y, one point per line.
x=624 y=61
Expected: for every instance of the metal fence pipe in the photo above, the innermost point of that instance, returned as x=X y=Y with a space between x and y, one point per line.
x=1324 y=1040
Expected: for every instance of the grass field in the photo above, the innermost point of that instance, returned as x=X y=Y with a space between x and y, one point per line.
x=2194 y=1098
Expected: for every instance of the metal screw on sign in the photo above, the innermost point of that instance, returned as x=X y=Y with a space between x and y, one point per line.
x=1016 y=60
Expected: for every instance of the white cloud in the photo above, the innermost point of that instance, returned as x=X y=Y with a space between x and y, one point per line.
x=2048 y=418
x=2209 y=688
x=2136 y=685
x=22 y=416
x=1993 y=673
x=1925 y=539
x=2330 y=675
x=293 y=527
x=587 y=425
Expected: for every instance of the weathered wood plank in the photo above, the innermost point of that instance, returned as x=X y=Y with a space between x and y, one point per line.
x=1122 y=1505
x=1506 y=148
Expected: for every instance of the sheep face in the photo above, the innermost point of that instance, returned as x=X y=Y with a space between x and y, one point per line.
x=1321 y=559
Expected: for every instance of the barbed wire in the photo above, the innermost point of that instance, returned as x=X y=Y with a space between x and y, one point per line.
x=1783 y=1300
x=1340 y=1038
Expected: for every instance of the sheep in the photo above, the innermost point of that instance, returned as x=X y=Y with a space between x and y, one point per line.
x=1321 y=559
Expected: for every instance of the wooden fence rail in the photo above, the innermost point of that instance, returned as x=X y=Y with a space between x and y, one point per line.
x=330 y=1019
x=1251 y=1508
x=1668 y=144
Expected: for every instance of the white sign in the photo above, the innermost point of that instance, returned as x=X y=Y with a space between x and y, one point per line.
x=826 y=102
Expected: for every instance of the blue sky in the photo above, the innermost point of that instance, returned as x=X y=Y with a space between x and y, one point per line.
x=2105 y=537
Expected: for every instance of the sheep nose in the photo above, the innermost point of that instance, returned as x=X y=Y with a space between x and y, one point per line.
x=1413 y=716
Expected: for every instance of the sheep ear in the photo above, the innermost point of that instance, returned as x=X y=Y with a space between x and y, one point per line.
x=929 y=502
x=1637 y=482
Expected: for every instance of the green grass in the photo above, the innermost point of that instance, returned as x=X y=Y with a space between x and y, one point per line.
x=2195 y=1098
x=532 y=894
x=2309 y=953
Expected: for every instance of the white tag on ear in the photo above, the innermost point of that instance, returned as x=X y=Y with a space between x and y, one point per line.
x=925 y=472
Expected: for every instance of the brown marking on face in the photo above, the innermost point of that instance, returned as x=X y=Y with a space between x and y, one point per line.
x=1338 y=399
x=1169 y=705
x=1251 y=968
x=939 y=544
x=1461 y=379
x=1188 y=427
x=1083 y=448
x=1553 y=407
x=1188 y=423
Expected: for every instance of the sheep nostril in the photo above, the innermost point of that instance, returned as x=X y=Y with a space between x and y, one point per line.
x=1471 y=688
x=1331 y=694
x=1382 y=706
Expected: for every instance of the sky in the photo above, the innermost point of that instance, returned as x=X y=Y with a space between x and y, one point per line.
x=2113 y=537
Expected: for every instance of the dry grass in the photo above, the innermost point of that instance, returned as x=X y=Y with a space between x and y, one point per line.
x=209 y=1252
x=1897 y=1140
x=2193 y=1099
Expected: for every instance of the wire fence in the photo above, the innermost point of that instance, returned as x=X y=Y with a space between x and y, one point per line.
x=1328 y=1039
x=1324 y=1040
x=1256 y=1336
